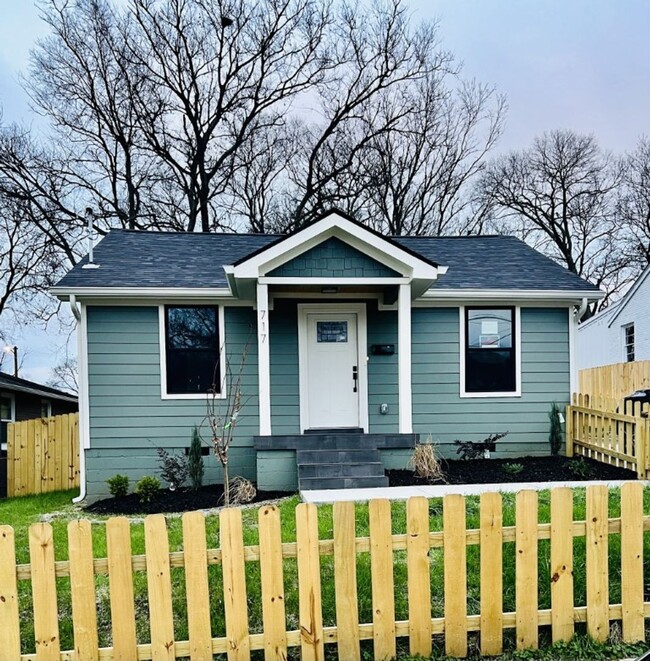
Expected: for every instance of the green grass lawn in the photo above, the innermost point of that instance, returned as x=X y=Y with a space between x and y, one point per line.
x=58 y=510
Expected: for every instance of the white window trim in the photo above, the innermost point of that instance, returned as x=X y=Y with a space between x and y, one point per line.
x=624 y=328
x=163 y=356
x=362 y=347
x=484 y=395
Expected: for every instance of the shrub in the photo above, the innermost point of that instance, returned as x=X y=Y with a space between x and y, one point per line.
x=195 y=461
x=582 y=469
x=425 y=463
x=118 y=485
x=555 y=432
x=173 y=468
x=147 y=488
x=478 y=449
x=513 y=469
x=241 y=491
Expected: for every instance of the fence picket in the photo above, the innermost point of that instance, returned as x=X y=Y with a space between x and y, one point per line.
x=455 y=579
x=597 y=564
x=491 y=574
x=46 y=615
x=82 y=588
x=312 y=644
x=345 y=581
x=197 y=593
x=419 y=580
x=526 y=572
x=9 y=616
x=381 y=562
x=159 y=588
x=562 y=564
x=632 y=561
x=273 y=610
x=234 y=584
x=120 y=581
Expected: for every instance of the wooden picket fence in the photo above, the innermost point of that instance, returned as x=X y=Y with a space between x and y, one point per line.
x=615 y=381
x=596 y=429
x=43 y=455
x=284 y=568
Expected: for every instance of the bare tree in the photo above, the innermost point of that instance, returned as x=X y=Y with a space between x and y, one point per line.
x=65 y=376
x=222 y=415
x=633 y=204
x=559 y=196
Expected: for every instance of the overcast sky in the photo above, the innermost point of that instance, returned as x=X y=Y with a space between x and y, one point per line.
x=579 y=64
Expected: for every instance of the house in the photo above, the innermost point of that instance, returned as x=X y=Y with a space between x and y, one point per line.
x=355 y=343
x=621 y=332
x=21 y=399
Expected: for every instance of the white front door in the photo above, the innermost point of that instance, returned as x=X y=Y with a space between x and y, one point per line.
x=331 y=370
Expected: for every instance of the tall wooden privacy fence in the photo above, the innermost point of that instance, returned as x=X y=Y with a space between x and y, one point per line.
x=595 y=429
x=615 y=381
x=43 y=455
x=234 y=598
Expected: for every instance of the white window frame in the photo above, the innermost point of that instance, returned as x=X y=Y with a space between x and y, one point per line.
x=624 y=328
x=163 y=354
x=483 y=395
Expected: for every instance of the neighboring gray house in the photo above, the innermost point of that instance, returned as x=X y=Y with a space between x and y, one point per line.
x=621 y=332
x=21 y=399
x=356 y=343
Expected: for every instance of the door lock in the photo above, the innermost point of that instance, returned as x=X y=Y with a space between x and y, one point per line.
x=355 y=377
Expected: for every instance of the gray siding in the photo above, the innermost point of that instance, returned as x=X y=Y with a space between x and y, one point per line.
x=382 y=371
x=128 y=417
x=335 y=259
x=440 y=411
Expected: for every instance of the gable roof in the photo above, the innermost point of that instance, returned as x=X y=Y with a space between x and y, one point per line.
x=176 y=260
x=629 y=294
x=16 y=384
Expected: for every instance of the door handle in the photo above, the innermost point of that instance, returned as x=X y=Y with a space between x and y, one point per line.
x=355 y=377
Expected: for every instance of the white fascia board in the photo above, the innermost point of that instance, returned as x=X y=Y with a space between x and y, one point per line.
x=334 y=225
x=63 y=293
x=510 y=294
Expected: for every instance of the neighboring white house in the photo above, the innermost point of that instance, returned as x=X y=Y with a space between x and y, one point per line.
x=621 y=332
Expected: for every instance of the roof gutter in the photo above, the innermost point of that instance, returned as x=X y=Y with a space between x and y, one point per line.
x=82 y=449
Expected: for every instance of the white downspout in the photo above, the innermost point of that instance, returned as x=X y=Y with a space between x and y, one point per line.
x=82 y=403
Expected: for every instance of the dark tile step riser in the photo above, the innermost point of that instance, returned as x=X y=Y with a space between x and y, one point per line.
x=343 y=483
x=341 y=470
x=337 y=456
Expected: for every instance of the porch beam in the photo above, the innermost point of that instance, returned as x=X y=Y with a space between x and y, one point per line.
x=263 y=359
x=404 y=358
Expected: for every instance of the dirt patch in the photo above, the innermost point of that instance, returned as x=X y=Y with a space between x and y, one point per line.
x=181 y=500
x=521 y=469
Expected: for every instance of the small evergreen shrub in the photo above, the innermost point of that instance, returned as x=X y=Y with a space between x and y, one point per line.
x=118 y=485
x=582 y=469
x=147 y=488
x=195 y=461
x=555 y=432
x=174 y=468
x=513 y=468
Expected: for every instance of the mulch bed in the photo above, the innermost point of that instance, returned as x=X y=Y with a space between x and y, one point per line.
x=181 y=500
x=535 y=469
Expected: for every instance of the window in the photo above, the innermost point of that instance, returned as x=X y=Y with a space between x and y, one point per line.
x=192 y=350
x=331 y=331
x=628 y=342
x=490 y=351
x=46 y=408
x=7 y=411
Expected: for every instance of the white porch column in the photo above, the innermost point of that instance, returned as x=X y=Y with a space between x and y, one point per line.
x=404 y=359
x=263 y=359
